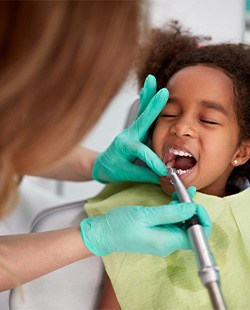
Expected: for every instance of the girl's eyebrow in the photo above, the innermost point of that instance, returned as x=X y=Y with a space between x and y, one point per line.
x=215 y=106
x=205 y=103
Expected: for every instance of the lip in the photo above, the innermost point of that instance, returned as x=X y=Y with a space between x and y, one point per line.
x=167 y=158
x=179 y=148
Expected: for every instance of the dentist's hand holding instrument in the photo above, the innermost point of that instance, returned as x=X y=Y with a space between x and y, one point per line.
x=116 y=163
x=137 y=229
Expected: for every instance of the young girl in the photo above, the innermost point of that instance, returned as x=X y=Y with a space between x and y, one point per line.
x=203 y=132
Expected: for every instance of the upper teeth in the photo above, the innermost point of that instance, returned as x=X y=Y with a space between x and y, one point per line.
x=180 y=153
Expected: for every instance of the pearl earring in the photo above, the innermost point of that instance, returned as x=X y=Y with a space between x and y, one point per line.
x=235 y=161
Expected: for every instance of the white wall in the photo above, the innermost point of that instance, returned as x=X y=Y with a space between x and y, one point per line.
x=221 y=19
x=224 y=20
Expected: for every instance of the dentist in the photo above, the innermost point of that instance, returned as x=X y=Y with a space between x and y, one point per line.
x=61 y=64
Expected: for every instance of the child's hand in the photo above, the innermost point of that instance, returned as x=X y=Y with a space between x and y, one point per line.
x=116 y=163
x=144 y=230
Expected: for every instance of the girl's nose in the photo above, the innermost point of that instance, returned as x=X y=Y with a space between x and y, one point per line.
x=183 y=127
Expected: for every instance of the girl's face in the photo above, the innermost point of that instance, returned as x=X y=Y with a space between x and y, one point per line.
x=197 y=132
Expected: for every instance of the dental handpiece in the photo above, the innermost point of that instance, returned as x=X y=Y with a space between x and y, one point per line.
x=208 y=271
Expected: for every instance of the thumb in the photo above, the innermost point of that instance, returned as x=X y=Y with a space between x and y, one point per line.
x=145 y=154
x=191 y=190
x=204 y=219
x=168 y=214
x=138 y=173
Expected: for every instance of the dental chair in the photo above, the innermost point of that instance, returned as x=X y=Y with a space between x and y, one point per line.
x=74 y=287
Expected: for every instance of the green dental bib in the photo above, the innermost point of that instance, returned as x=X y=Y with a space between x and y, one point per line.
x=150 y=282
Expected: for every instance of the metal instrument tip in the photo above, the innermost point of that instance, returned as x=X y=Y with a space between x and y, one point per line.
x=171 y=171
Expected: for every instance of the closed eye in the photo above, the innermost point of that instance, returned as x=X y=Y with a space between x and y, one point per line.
x=209 y=122
x=169 y=115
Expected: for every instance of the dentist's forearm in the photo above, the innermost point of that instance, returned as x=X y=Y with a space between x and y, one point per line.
x=77 y=166
x=29 y=256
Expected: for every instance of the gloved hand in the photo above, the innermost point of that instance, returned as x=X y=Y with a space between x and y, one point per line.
x=145 y=230
x=116 y=163
x=191 y=191
x=200 y=211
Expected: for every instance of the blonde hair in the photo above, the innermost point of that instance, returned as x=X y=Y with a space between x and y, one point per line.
x=61 y=62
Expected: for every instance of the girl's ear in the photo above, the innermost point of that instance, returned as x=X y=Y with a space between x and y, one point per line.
x=242 y=154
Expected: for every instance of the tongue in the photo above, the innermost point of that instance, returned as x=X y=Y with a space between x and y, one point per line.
x=184 y=163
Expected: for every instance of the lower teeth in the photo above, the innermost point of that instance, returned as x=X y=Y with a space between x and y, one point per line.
x=180 y=172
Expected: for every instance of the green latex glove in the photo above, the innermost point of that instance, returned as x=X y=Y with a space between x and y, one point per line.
x=201 y=212
x=191 y=190
x=147 y=93
x=145 y=230
x=116 y=163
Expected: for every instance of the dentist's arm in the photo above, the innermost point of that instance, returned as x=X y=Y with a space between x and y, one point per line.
x=29 y=256
x=76 y=166
x=136 y=229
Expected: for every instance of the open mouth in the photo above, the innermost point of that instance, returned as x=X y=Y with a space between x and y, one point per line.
x=181 y=160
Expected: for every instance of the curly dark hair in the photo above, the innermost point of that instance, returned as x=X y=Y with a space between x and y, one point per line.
x=172 y=49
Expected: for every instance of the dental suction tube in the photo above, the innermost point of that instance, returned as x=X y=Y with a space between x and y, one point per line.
x=208 y=271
